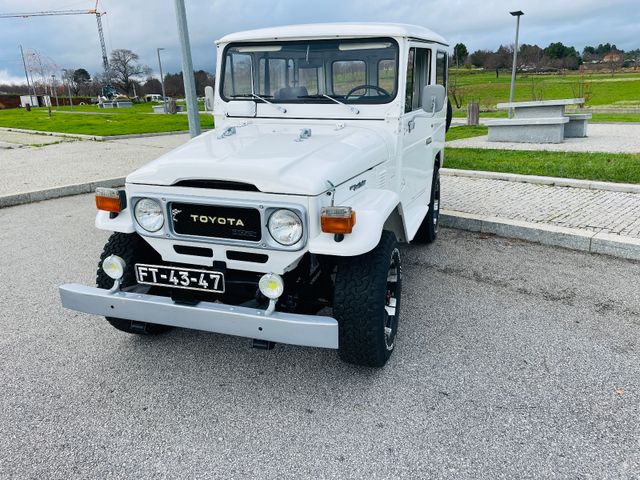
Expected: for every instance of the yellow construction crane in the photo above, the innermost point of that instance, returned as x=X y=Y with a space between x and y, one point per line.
x=93 y=11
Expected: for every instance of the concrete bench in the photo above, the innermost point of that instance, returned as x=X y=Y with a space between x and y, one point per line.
x=577 y=126
x=540 y=108
x=528 y=130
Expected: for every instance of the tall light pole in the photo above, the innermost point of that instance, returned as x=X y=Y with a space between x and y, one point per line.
x=516 y=14
x=24 y=64
x=54 y=88
x=164 y=97
x=187 y=70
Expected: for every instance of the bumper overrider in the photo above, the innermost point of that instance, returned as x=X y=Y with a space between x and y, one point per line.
x=294 y=329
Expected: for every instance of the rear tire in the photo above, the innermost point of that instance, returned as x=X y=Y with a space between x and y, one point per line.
x=366 y=303
x=428 y=231
x=131 y=248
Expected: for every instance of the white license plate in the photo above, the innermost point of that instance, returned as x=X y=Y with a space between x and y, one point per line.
x=186 y=278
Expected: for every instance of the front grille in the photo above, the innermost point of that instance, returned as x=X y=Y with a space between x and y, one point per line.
x=213 y=221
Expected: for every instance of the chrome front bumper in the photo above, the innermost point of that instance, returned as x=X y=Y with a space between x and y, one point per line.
x=305 y=330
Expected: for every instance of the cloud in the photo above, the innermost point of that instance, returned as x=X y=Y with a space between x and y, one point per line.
x=72 y=41
x=9 y=78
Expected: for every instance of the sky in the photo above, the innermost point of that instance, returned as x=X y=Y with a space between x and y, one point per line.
x=142 y=26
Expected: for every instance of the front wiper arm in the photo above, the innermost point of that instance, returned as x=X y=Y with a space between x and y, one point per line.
x=350 y=107
x=278 y=107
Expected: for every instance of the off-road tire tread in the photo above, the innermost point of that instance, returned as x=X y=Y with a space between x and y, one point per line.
x=427 y=233
x=359 y=300
x=128 y=246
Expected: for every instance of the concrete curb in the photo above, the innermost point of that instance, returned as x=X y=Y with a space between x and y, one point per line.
x=572 y=238
x=49 y=193
x=539 y=180
x=97 y=138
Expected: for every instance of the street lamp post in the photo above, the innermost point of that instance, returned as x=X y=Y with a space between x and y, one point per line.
x=187 y=70
x=164 y=97
x=54 y=88
x=516 y=14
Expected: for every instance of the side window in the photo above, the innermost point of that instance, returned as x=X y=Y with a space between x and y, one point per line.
x=408 y=100
x=417 y=77
x=347 y=74
x=441 y=69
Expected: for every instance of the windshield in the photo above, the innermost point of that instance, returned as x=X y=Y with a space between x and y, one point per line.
x=352 y=71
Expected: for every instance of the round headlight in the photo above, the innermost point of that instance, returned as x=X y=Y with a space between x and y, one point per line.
x=149 y=215
x=285 y=227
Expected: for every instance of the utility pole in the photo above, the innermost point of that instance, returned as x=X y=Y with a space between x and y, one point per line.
x=516 y=14
x=164 y=97
x=187 y=70
x=26 y=75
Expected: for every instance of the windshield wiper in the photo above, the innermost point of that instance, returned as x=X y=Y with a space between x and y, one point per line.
x=278 y=107
x=350 y=107
x=247 y=95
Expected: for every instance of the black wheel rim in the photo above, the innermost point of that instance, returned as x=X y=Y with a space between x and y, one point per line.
x=392 y=299
x=436 y=203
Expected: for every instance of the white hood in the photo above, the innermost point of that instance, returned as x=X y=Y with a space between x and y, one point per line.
x=269 y=157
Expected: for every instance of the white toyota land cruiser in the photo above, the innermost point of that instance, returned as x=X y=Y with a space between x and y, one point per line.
x=283 y=223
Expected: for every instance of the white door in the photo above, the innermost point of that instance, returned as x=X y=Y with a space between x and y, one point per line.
x=417 y=141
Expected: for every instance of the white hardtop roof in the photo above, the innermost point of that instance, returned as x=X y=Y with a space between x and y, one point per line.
x=335 y=30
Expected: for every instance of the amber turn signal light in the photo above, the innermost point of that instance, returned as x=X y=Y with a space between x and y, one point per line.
x=338 y=220
x=110 y=200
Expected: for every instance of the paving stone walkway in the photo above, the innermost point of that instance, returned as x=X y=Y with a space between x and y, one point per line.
x=591 y=210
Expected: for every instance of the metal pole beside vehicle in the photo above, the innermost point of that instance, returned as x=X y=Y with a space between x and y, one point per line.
x=164 y=96
x=187 y=70
x=516 y=14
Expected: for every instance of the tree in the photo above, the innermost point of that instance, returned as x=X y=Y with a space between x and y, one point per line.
x=125 y=68
x=152 y=85
x=80 y=78
x=460 y=54
x=479 y=57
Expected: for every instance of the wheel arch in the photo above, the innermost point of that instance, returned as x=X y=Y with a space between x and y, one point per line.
x=376 y=210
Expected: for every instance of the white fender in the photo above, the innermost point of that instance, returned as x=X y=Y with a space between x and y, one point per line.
x=123 y=223
x=372 y=207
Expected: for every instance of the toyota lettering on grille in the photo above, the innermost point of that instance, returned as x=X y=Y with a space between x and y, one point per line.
x=217 y=221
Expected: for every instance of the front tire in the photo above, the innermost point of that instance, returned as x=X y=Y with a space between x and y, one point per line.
x=131 y=248
x=366 y=303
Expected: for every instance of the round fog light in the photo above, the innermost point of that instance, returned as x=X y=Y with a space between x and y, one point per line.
x=271 y=285
x=113 y=266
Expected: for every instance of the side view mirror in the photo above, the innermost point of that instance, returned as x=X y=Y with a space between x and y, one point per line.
x=208 y=98
x=433 y=98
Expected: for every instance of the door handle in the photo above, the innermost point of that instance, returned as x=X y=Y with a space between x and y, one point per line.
x=411 y=124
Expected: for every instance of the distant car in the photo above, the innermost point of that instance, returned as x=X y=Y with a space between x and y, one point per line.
x=153 y=97
x=283 y=224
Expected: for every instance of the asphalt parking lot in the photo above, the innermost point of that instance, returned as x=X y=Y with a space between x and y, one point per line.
x=513 y=360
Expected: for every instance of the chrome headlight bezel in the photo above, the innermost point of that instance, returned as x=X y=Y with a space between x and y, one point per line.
x=149 y=214
x=289 y=224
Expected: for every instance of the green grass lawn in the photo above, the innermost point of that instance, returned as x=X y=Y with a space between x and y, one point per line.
x=466 y=131
x=608 y=167
x=90 y=120
x=621 y=90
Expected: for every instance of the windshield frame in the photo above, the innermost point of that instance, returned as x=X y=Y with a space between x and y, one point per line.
x=373 y=100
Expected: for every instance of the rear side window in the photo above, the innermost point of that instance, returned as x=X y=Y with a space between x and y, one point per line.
x=441 y=69
x=418 y=68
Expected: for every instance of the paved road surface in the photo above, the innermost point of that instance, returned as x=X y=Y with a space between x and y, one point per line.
x=514 y=360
